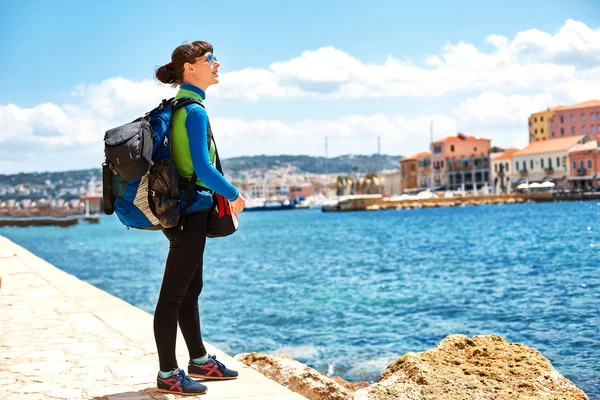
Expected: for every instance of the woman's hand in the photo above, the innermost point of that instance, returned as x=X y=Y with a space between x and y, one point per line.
x=238 y=205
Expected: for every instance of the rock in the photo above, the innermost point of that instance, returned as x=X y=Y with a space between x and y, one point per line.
x=482 y=368
x=296 y=376
x=351 y=386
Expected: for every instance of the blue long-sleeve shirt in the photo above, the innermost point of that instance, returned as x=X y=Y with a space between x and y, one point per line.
x=190 y=151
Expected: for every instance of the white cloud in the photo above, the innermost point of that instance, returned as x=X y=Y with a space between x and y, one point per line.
x=498 y=108
x=70 y=136
x=519 y=76
x=347 y=134
x=531 y=60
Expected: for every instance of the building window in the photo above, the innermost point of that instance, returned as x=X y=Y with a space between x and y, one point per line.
x=542 y=119
x=558 y=161
x=452 y=148
x=574 y=165
x=583 y=129
x=549 y=163
x=517 y=165
x=542 y=163
x=593 y=128
x=581 y=164
x=589 y=164
x=531 y=164
x=534 y=119
x=583 y=117
x=572 y=130
x=598 y=115
x=535 y=131
x=542 y=130
x=562 y=131
x=496 y=168
x=572 y=118
x=592 y=116
x=562 y=119
x=442 y=163
x=506 y=166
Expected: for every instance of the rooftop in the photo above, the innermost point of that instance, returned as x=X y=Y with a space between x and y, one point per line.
x=549 y=146
x=415 y=156
x=591 y=145
x=585 y=104
x=460 y=137
x=507 y=155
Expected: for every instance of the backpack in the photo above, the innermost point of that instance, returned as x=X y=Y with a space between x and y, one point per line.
x=140 y=180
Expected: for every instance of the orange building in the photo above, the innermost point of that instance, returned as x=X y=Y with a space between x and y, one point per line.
x=584 y=165
x=409 y=172
x=424 y=169
x=459 y=160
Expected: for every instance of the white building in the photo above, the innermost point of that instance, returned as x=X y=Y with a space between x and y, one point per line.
x=501 y=170
x=545 y=160
x=392 y=183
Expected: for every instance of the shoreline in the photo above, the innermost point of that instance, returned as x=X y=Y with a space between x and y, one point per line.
x=378 y=202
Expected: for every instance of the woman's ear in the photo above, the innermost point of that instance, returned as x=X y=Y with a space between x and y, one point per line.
x=188 y=67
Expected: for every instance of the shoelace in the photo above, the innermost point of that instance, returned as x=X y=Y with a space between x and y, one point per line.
x=184 y=378
x=219 y=363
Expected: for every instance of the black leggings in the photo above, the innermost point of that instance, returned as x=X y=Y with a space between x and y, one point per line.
x=181 y=286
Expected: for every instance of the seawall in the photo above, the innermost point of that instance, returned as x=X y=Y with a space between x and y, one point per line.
x=377 y=202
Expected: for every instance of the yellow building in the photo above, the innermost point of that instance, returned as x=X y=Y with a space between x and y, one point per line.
x=539 y=125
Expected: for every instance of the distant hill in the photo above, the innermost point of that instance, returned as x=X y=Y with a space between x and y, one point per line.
x=318 y=165
x=38 y=178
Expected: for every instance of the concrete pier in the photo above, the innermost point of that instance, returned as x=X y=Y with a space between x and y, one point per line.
x=62 y=338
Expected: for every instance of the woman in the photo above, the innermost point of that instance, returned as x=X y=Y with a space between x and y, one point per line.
x=193 y=68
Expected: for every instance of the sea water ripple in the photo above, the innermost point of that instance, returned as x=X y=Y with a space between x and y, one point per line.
x=348 y=293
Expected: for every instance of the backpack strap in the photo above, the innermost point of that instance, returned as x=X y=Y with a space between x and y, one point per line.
x=192 y=183
x=176 y=104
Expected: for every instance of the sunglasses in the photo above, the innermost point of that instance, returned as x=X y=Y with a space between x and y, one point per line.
x=211 y=58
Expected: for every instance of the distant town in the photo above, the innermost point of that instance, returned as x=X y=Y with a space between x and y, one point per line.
x=562 y=156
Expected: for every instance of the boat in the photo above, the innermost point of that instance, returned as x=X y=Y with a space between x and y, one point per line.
x=278 y=205
x=92 y=219
x=39 y=221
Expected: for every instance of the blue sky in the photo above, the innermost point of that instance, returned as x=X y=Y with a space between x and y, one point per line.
x=297 y=72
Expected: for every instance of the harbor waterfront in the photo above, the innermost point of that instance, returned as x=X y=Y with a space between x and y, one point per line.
x=348 y=293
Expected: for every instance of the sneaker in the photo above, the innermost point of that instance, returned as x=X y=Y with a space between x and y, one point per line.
x=179 y=383
x=212 y=369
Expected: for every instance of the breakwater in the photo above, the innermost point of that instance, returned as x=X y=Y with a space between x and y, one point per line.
x=378 y=202
x=39 y=221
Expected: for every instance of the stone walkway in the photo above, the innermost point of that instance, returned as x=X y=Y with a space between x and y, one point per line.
x=61 y=338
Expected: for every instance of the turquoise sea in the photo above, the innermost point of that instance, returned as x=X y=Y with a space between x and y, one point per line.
x=348 y=293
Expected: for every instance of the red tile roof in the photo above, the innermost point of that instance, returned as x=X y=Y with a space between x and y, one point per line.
x=459 y=138
x=415 y=156
x=549 y=146
x=591 y=145
x=585 y=104
x=507 y=155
